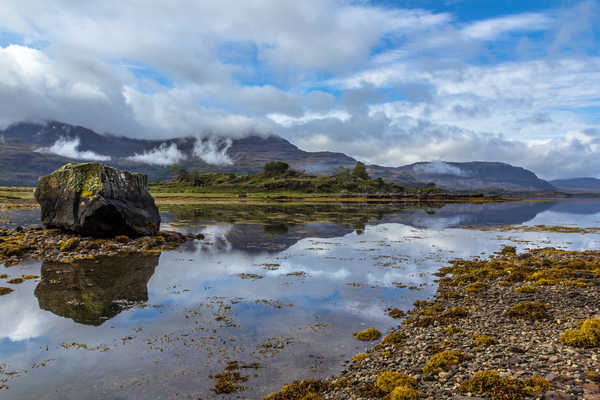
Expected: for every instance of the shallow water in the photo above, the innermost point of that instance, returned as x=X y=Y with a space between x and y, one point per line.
x=286 y=290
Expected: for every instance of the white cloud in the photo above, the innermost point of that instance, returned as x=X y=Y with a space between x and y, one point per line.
x=491 y=28
x=70 y=148
x=161 y=155
x=384 y=84
x=287 y=120
x=438 y=167
x=213 y=151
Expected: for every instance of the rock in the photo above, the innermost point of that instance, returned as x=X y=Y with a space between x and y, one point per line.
x=557 y=396
x=96 y=200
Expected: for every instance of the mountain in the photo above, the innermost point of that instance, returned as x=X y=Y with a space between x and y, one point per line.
x=577 y=184
x=476 y=175
x=29 y=150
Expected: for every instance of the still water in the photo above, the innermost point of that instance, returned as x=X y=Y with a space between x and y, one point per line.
x=282 y=286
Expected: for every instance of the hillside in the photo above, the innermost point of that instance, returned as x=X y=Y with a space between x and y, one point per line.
x=577 y=184
x=28 y=150
x=476 y=175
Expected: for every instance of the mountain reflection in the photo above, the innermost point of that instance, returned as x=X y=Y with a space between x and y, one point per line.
x=92 y=292
x=271 y=229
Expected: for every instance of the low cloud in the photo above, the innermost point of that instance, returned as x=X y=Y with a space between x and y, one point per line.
x=69 y=148
x=213 y=151
x=162 y=155
x=438 y=168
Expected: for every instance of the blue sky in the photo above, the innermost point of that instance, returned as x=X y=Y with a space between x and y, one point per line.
x=387 y=82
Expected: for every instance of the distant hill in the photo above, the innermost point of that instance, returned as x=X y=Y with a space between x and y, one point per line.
x=577 y=184
x=29 y=150
x=475 y=176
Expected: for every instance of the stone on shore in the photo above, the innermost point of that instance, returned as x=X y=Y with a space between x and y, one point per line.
x=97 y=200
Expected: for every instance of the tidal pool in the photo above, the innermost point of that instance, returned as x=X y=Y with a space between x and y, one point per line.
x=281 y=286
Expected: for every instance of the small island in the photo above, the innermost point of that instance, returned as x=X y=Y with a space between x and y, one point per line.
x=278 y=182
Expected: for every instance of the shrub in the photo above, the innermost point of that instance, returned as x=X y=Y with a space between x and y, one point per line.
x=359 y=171
x=275 y=168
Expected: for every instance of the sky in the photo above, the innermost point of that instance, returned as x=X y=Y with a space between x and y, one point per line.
x=387 y=82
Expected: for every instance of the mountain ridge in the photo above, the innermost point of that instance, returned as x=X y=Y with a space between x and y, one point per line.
x=29 y=150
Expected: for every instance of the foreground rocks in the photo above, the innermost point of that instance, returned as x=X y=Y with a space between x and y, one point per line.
x=19 y=244
x=495 y=330
x=96 y=200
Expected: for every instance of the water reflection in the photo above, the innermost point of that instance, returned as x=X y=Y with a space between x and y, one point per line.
x=283 y=286
x=90 y=292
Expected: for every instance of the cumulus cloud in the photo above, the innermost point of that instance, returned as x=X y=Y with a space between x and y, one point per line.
x=388 y=85
x=69 y=148
x=162 y=155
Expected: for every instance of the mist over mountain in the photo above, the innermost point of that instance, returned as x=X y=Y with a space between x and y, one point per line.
x=29 y=150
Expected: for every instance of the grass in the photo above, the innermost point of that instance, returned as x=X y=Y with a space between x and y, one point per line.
x=16 y=193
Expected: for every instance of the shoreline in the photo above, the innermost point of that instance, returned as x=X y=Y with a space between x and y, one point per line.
x=494 y=330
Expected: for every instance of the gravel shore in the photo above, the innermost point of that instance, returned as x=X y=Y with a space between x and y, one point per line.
x=494 y=330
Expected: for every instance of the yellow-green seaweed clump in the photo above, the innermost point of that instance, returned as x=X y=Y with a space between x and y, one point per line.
x=359 y=357
x=367 y=335
x=527 y=289
x=529 y=310
x=300 y=390
x=396 y=313
x=497 y=387
x=122 y=239
x=227 y=382
x=5 y=290
x=443 y=360
x=396 y=337
x=587 y=336
x=69 y=245
x=484 y=340
x=388 y=380
x=404 y=393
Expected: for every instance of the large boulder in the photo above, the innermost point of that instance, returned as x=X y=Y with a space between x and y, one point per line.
x=96 y=200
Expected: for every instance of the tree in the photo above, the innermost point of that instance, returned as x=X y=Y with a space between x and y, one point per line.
x=179 y=174
x=275 y=168
x=360 y=171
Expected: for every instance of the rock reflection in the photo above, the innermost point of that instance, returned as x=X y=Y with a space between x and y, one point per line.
x=92 y=292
